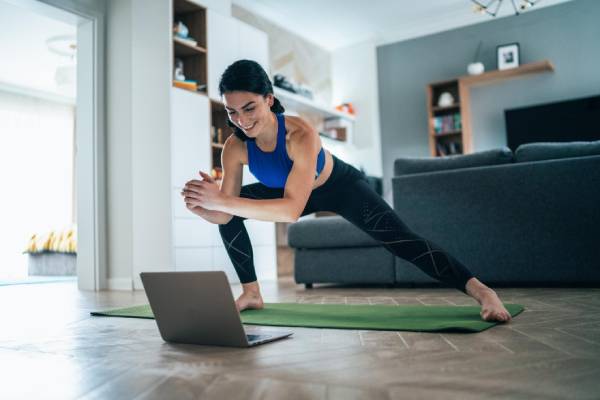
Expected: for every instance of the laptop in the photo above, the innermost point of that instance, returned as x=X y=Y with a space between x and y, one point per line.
x=197 y=307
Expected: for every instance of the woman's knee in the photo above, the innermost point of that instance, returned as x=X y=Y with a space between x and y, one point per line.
x=233 y=221
x=226 y=221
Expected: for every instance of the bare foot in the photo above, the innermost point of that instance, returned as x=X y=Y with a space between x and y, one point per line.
x=492 y=308
x=249 y=300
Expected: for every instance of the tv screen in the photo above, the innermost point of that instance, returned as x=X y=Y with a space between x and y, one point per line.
x=564 y=121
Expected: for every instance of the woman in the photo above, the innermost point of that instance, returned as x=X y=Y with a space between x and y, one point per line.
x=298 y=177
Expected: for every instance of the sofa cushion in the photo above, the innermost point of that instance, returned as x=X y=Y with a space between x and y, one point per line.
x=327 y=232
x=414 y=165
x=344 y=265
x=553 y=150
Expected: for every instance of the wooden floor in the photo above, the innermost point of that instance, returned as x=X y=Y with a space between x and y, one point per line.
x=50 y=347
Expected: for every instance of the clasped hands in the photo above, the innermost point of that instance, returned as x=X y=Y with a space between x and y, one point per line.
x=205 y=194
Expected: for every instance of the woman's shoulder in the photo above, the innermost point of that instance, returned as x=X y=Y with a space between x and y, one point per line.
x=297 y=127
x=235 y=148
x=300 y=134
x=296 y=123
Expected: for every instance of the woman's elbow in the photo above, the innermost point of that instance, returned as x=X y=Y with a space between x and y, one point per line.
x=294 y=216
x=291 y=211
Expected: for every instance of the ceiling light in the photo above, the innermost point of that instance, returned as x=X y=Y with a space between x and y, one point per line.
x=492 y=6
x=65 y=46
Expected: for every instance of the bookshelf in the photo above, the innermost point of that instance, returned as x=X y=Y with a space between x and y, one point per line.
x=219 y=132
x=445 y=122
x=449 y=127
x=192 y=53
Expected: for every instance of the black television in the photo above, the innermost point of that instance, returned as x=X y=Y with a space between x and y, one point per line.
x=563 y=121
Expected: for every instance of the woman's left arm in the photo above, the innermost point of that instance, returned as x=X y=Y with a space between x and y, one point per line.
x=298 y=186
x=305 y=147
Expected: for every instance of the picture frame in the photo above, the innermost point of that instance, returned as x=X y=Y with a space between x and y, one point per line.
x=508 y=56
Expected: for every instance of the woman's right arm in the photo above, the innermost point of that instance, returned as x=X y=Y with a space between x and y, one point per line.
x=231 y=182
x=212 y=216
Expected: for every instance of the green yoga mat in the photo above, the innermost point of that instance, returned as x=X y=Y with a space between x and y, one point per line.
x=359 y=316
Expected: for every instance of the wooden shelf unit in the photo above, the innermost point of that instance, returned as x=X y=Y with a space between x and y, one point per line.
x=442 y=141
x=193 y=57
x=219 y=132
x=460 y=87
x=505 y=74
x=447 y=108
x=450 y=133
x=182 y=48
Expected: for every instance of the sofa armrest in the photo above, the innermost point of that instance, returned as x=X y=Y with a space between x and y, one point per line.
x=529 y=217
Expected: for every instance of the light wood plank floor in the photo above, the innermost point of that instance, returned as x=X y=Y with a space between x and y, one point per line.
x=50 y=347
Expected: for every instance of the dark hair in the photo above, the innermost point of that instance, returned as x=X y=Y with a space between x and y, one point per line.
x=247 y=76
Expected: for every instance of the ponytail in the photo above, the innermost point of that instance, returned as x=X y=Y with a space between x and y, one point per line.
x=277 y=108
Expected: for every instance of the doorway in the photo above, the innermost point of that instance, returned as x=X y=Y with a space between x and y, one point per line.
x=54 y=132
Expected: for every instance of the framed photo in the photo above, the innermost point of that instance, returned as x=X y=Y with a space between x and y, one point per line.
x=508 y=55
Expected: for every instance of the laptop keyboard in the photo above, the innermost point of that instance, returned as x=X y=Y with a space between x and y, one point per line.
x=252 y=338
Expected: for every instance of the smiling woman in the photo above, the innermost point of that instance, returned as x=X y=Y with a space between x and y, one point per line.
x=297 y=176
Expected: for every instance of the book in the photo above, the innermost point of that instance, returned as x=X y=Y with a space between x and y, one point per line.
x=190 y=85
x=452 y=148
x=441 y=150
x=447 y=123
x=457 y=122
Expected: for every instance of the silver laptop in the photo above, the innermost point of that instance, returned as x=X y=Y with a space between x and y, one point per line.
x=198 y=308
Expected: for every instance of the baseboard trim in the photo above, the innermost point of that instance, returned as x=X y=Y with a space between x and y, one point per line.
x=119 y=284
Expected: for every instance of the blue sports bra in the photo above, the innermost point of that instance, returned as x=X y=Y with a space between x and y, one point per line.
x=272 y=168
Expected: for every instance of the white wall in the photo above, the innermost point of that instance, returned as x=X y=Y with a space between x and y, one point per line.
x=151 y=137
x=119 y=141
x=138 y=84
x=296 y=58
x=354 y=79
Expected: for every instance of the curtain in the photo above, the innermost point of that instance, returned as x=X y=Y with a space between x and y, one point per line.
x=36 y=174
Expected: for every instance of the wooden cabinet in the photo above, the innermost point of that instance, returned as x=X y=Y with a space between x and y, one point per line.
x=189 y=136
x=253 y=44
x=190 y=51
x=195 y=116
x=220 y=131
x=190 y=149
x=230 y=40
x=223 y=48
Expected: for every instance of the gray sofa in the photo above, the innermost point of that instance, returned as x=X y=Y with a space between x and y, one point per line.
x=531 y=218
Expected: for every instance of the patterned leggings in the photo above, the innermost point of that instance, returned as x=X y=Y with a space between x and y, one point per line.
x=347 y=193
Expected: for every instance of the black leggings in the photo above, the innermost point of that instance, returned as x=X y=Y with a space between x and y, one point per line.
x=347 y=193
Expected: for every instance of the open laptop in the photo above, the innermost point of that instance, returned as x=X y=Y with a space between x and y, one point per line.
x=198 y=308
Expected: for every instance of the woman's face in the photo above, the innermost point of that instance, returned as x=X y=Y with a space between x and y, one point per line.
x=249 y=111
